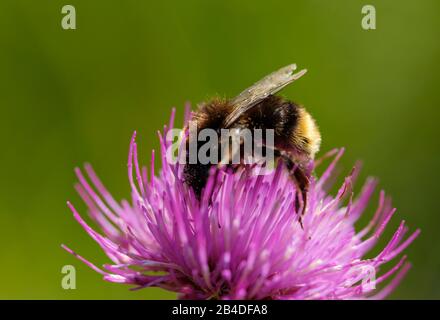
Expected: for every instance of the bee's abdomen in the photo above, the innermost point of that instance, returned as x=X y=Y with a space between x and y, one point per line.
x=273 y=113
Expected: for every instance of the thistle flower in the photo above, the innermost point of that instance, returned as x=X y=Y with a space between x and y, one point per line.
x=242 y=239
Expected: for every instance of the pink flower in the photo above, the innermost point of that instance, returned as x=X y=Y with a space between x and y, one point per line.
x=242 y=240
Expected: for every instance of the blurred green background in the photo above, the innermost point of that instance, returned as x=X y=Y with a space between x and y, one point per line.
x=71 y=96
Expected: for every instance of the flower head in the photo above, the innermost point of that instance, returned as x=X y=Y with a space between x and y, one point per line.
x=242 y=239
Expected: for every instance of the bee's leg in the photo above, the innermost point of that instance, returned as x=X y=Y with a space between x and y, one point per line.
x=302 y=182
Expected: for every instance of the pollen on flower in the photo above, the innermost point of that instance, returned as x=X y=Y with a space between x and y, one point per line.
x=242 y=239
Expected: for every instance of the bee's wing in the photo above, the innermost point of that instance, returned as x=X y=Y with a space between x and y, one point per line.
x=270 y=84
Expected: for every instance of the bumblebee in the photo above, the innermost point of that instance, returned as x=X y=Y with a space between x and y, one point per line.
x=296 y=135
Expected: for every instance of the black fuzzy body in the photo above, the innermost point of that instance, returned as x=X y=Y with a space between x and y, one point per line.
x=272 y=113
